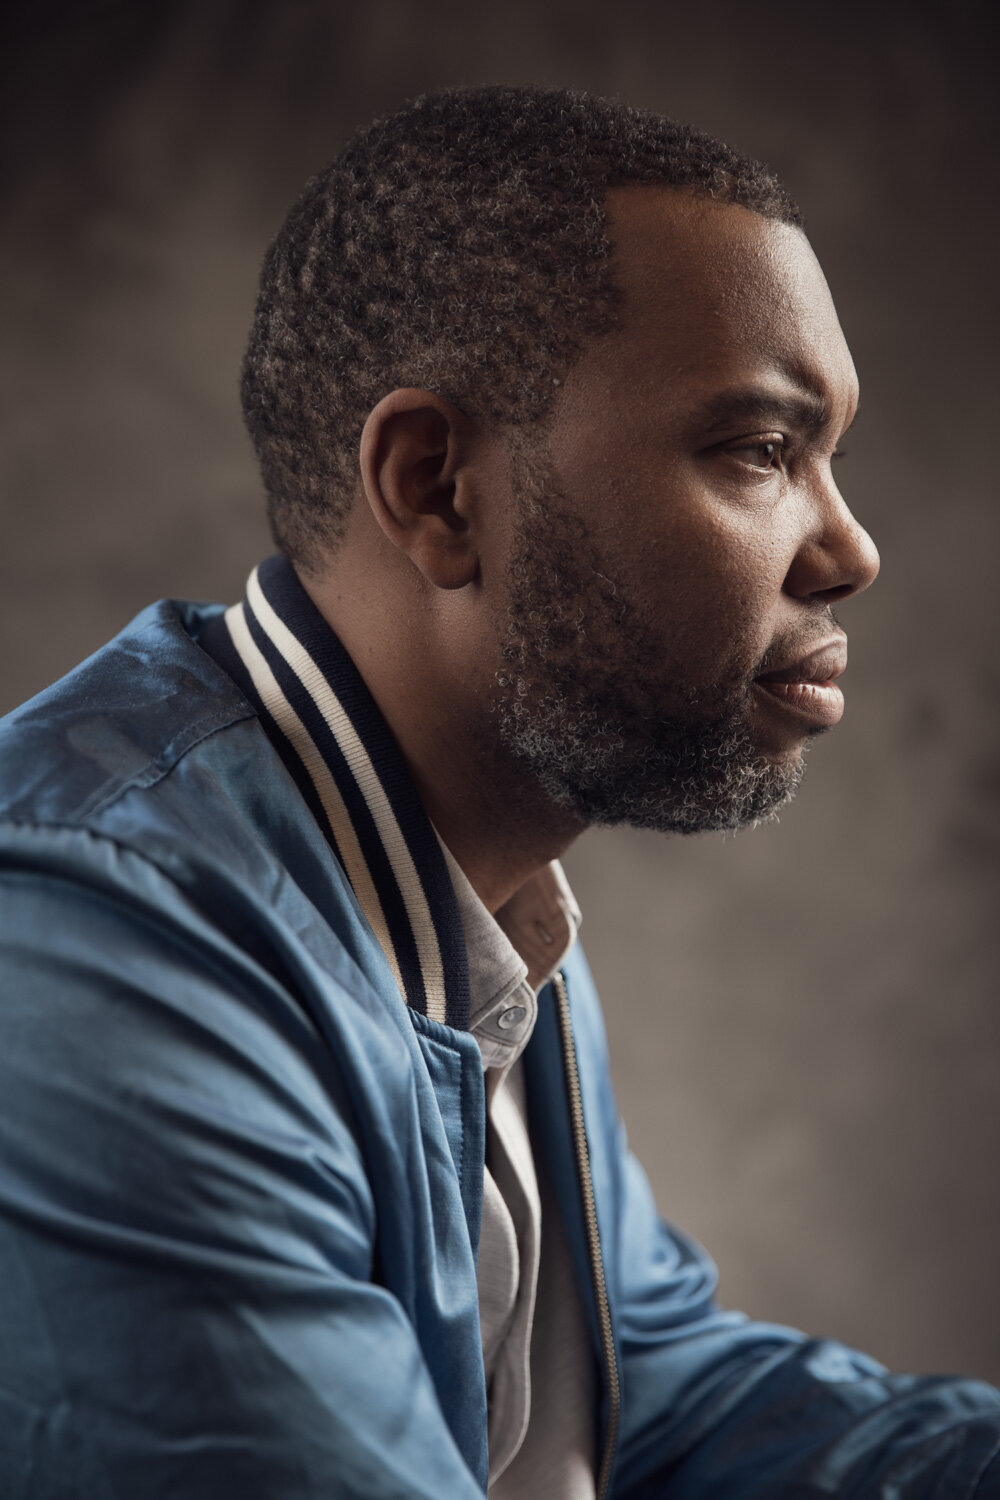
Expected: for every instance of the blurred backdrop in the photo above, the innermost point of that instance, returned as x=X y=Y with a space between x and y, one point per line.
x=803 y=1019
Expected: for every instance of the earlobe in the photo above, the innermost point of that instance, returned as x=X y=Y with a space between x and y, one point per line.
x=417 y=483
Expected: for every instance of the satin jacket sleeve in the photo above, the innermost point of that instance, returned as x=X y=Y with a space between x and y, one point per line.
x=716 y=1405
x=188 y=1304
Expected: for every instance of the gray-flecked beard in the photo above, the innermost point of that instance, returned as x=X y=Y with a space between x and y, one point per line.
x=580 y=695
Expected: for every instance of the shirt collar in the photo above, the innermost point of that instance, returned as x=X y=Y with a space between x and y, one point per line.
x=512 y=955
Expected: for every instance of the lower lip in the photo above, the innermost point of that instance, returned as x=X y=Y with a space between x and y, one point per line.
x=819 y=703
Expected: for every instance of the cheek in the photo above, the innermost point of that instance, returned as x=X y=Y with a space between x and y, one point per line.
x=713 y=591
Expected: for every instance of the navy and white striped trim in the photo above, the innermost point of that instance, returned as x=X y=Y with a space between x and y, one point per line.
x=326 y=725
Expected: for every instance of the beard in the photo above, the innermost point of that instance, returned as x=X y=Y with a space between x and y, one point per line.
x=586 y=707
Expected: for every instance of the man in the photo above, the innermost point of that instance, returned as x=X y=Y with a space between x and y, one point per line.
x=312 y=1181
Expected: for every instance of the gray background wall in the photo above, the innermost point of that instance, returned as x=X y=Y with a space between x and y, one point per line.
x=804 y=1018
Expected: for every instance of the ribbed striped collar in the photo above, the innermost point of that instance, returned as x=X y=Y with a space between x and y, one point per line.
x=326 y=726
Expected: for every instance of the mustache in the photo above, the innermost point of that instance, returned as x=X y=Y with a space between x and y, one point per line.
x=790 y=648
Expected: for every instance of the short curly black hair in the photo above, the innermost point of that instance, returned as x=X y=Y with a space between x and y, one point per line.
x=458 y=245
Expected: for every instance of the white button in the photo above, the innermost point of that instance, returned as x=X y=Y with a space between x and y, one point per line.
x=510 y=1017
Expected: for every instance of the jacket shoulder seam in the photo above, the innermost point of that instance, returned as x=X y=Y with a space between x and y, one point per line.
x=155 y=770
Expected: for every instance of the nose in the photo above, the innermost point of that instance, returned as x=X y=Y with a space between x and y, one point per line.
x=836 y=558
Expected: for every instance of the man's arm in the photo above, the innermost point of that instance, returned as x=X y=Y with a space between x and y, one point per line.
x=714 y=1404
x=186 y=1230
x=722 y=1406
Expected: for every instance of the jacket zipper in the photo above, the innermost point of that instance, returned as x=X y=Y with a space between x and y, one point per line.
x=600 y=1285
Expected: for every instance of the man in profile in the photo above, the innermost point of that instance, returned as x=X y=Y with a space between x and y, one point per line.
x=312 y=1180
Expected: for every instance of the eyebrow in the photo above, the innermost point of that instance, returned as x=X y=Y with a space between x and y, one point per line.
x=799 y=408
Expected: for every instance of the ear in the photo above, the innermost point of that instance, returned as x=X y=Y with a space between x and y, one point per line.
x=414 y=451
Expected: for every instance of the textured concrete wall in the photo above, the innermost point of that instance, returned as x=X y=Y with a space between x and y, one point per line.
x=804 y=1022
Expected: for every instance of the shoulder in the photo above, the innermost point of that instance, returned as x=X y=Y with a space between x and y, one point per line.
x=123 y=718
x=144 y=782
x=147 y=753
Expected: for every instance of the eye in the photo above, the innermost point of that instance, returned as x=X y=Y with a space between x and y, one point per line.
x=761 y=453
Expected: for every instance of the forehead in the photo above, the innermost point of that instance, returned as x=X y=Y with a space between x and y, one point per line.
x=714 y=296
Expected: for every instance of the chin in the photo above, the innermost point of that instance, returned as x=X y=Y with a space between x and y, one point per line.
x=788 y=757
x=739 y=793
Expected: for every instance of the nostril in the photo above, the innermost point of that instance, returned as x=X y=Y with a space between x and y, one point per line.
x=840 y=591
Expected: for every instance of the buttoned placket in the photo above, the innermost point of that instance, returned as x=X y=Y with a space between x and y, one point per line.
x=511 y=1246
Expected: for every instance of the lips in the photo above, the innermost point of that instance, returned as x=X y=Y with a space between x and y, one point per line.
x=807 y=687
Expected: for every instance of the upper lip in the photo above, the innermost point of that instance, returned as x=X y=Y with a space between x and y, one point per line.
x=822 y=664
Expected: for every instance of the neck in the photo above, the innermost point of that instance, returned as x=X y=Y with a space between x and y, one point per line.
x=497 y=830
x=419 y=660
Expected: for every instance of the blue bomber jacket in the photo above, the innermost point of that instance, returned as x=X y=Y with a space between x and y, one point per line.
x=241 y=1163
